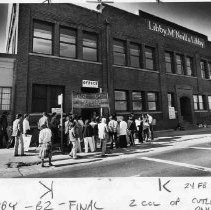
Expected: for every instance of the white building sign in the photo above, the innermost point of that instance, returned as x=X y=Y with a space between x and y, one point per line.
x=172 y=114
x=89 y=84
x=56 y=110
x=167 y=31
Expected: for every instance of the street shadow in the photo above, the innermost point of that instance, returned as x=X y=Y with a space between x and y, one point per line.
x=75 y=163
x=169 y=139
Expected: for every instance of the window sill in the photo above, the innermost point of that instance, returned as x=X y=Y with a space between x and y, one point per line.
x=134 y=68
x=181 y=75
x=65 y=58
x=200 y=110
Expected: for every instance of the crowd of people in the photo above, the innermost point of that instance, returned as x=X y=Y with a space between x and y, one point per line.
x=78 y=135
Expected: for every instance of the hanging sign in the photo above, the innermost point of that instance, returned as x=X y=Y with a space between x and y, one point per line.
x=90 y=100
x=60 y=99
x=89 y=84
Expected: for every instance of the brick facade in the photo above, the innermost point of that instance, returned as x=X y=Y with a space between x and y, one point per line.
x=112 y=24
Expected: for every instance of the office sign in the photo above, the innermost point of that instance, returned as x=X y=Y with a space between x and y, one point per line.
x=90 y=100
x=172 y=114
x=89 y=84
x=167 y=31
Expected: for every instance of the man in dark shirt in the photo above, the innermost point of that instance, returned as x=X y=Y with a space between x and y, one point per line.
x=3 y=129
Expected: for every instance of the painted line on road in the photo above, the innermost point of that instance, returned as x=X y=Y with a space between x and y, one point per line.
x=204 y=148
x=199 y=168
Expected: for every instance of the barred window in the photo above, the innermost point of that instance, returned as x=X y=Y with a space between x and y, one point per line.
x=5 y=98
x=45 y=97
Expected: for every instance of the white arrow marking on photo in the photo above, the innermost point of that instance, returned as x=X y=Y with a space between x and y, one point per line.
x=200 y=168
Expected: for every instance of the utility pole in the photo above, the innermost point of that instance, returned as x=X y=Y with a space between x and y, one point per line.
x=60 y=102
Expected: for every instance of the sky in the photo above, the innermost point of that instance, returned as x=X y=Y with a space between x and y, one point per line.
x=193 y=15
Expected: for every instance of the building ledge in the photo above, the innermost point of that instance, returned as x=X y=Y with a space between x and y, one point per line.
x=64 y=58
x=181 y=75
x=139 y=112
x=133 y=68
x=200 y=110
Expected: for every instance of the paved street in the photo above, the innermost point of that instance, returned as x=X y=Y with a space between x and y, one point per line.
x=176 y=153
x=190 y=161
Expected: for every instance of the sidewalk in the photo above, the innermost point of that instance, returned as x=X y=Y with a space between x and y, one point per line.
x=162 y=139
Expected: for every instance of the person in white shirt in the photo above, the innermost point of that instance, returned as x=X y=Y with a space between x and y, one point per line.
x=74 y=140
x=103 y=134
x=17 y=130
x=122 y=133
x=45 y=144
x=146 y=128
x=43 y=121
x=26 y=126
x=151 y=131
x=112 y=127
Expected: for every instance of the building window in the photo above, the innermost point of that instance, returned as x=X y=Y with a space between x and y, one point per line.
x=152 y=101
x=201 y=102
x=209 y=102
x=149 y=58
x=203 y=69
x=119 y=52
x=42 y=38
x=168 y=61
x=195 y=102
x=5 y=98
x=120 y=100
x=198 y=101
x=189 y=66
x=134 y=55
x=90 y=46
x=179 y=63
x=137 y=100
x=209 y=70
x=67 y=42
x=45 y=97
x=170 y=100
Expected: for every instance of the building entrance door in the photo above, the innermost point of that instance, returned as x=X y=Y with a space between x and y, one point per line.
x=185 y=107
x=89 y=113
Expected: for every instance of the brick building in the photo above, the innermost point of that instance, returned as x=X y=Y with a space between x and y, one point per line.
x=144 y=63
x=7 y=69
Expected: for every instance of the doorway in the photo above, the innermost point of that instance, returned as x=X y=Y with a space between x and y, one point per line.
x=185 y=107
x=89 y=113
